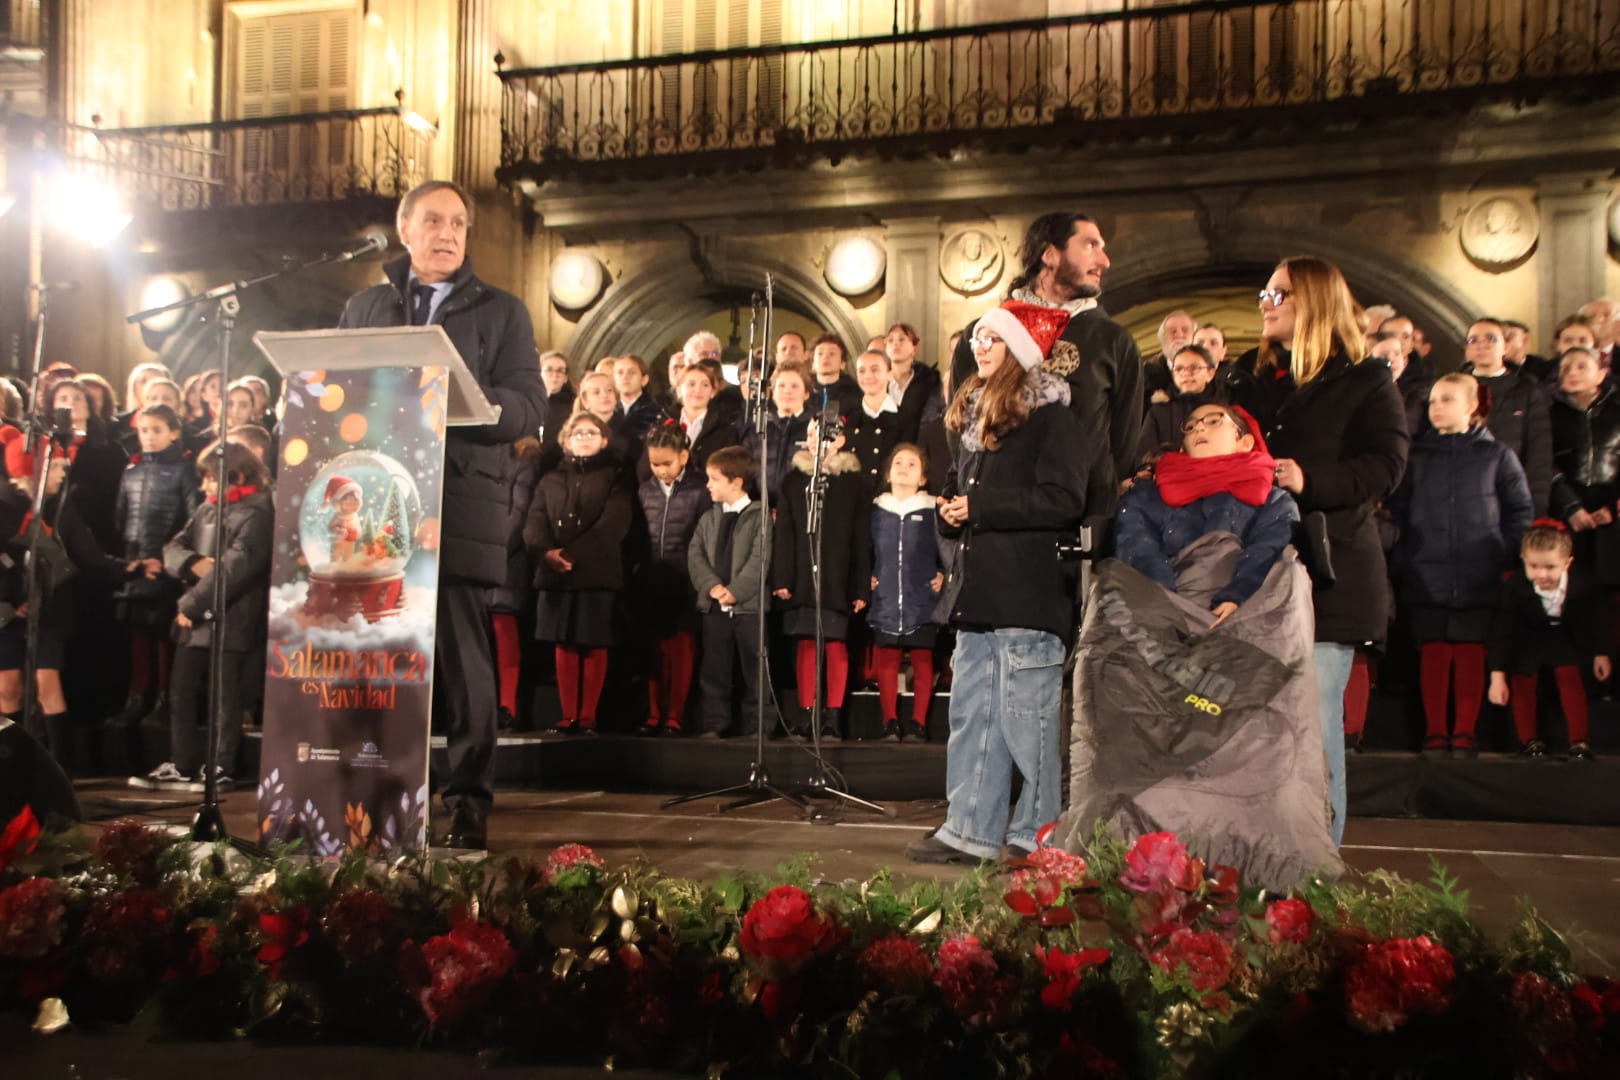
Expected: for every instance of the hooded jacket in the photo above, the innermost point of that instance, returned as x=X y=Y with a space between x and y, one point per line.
x=906 y=556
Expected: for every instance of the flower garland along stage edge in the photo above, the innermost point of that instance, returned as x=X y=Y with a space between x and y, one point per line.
x=1135 y=961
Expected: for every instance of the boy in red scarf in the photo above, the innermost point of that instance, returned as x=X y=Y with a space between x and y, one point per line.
x=1222 y=480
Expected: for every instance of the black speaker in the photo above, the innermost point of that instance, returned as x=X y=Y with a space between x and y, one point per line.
x=29 y=776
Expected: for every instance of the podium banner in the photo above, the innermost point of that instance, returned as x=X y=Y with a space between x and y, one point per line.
x=354 y=579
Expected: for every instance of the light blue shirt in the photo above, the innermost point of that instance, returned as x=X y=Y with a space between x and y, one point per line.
x=440 y=291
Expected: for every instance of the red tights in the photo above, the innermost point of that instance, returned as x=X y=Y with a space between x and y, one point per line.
x=1442 y=665
x=508 y=658
x=150 y=657
x=581 y=670
x=1571 y=695
x=837 y=673
x=1357 y=693
x=886 y=666
x=671 y=680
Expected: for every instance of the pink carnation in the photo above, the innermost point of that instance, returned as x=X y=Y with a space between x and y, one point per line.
x=1205 y=956
x=1158 y=862
x=969 y=980
x=1047 y=872
x=569 y=856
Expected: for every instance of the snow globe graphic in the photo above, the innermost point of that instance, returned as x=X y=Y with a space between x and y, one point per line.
x=357 y=528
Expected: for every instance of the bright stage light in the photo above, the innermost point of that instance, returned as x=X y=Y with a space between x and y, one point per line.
x=84 y=209
x=6 y=203
x=158 y=292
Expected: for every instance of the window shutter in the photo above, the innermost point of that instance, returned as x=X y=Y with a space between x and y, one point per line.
x=293 y=63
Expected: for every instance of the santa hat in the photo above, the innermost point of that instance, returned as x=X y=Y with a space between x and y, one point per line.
x=19 y=462
x=1028 y=329
x=339 y=486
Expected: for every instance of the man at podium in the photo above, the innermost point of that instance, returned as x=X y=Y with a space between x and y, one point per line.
x=491 y=329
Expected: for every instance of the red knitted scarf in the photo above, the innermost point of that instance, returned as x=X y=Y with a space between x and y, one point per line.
x=1247 y=477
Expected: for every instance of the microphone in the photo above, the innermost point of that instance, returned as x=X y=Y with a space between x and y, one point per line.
x=62 y=427
x=55 y=286
x=375 y=241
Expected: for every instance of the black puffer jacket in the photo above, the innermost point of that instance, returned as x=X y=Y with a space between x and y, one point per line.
x=584 y=508
x=846 y=536
x=1462 y=508
x=1022 y=497
x=663 y=599
x=492 y=332
x=1347 y=430
x=1586 y=453
x=158 y=496
x=249 y=536
x=1520 y=419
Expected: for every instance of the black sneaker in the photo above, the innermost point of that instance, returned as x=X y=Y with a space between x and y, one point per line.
x=931 y=849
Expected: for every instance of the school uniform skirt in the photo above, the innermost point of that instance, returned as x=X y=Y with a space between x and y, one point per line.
x=576 y=617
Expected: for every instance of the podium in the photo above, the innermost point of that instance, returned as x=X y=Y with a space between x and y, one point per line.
x=354 y=580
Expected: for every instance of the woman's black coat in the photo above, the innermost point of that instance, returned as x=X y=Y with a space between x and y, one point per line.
x=1347 y=430
x=584 y=508
x=846 y=536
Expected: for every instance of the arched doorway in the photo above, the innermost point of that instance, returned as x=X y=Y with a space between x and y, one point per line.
x=655 y=310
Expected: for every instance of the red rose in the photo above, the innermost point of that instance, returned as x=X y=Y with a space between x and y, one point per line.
x=1158 y=862
x=782 y=931
x=1393 y=979
x=31 y=917
x=462 y=969
x=1205 y=956
x=569 y=857
x=20 y=837
x=1063 y=972
x=895 y=965
x=284 y=932
x=969 y=980
x=1289 y=920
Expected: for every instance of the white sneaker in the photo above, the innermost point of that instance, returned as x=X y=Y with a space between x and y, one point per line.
x=166 y=777
x=223 y=781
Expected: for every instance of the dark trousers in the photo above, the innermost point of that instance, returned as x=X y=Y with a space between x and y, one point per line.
x=465 y=694
x=728 y=639
x=189 y=697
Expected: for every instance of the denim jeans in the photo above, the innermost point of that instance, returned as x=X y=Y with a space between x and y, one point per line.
x=1006 y=689
x=1332 y=676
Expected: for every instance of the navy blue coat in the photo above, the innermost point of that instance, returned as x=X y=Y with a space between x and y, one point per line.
x=1462 y=509
x=1149 y=533
x=156 y=498
x=905 y=557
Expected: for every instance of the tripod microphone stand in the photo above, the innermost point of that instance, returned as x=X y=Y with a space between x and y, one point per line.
x=757 y=788
x=824 y=782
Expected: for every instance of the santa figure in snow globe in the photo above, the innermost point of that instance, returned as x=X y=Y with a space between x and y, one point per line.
x=357 y=530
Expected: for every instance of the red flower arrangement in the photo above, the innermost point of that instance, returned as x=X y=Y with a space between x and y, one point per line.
x=782 y=931
x=1063 y=973
x=1158 y=863
x=20 y=837
x=895 y=965
x=131 y=849
x=462 y=969
x=120 y=929
x=569 y=857
x=284 y=932
x=1393 y=979
x=1289 y=920
x=1204 y=955
x=356 y=922
x=32 y=918
x=970 y=981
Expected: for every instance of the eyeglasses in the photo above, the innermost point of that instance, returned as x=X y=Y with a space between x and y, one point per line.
x=1189 y=369
x=983 y=341
x=1483 y=339
x=1209 y=421
x=1275 y=297
x=584 y=433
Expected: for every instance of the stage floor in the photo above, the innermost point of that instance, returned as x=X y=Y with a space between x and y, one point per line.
x=1571 y=872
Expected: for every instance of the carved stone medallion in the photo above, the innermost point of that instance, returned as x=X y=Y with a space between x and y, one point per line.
x=970 y=261
x=1499 y=231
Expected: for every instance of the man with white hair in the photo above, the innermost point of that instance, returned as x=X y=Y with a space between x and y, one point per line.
x=1175 y=333
x=1604 y=315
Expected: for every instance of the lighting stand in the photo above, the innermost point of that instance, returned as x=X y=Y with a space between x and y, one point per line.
x=758 y=787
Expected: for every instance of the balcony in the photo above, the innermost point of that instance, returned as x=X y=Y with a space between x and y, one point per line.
x=311 y=158
x=1156 y=71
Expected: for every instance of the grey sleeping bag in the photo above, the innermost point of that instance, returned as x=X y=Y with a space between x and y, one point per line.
x=1210 y=735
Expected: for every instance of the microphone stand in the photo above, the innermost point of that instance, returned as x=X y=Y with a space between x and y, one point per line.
x=758 y=787
x=209 y=824
x=824 y=782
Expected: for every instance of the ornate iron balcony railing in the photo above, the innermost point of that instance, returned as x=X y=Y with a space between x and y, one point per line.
x=309 y=158
x=1066 y=78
